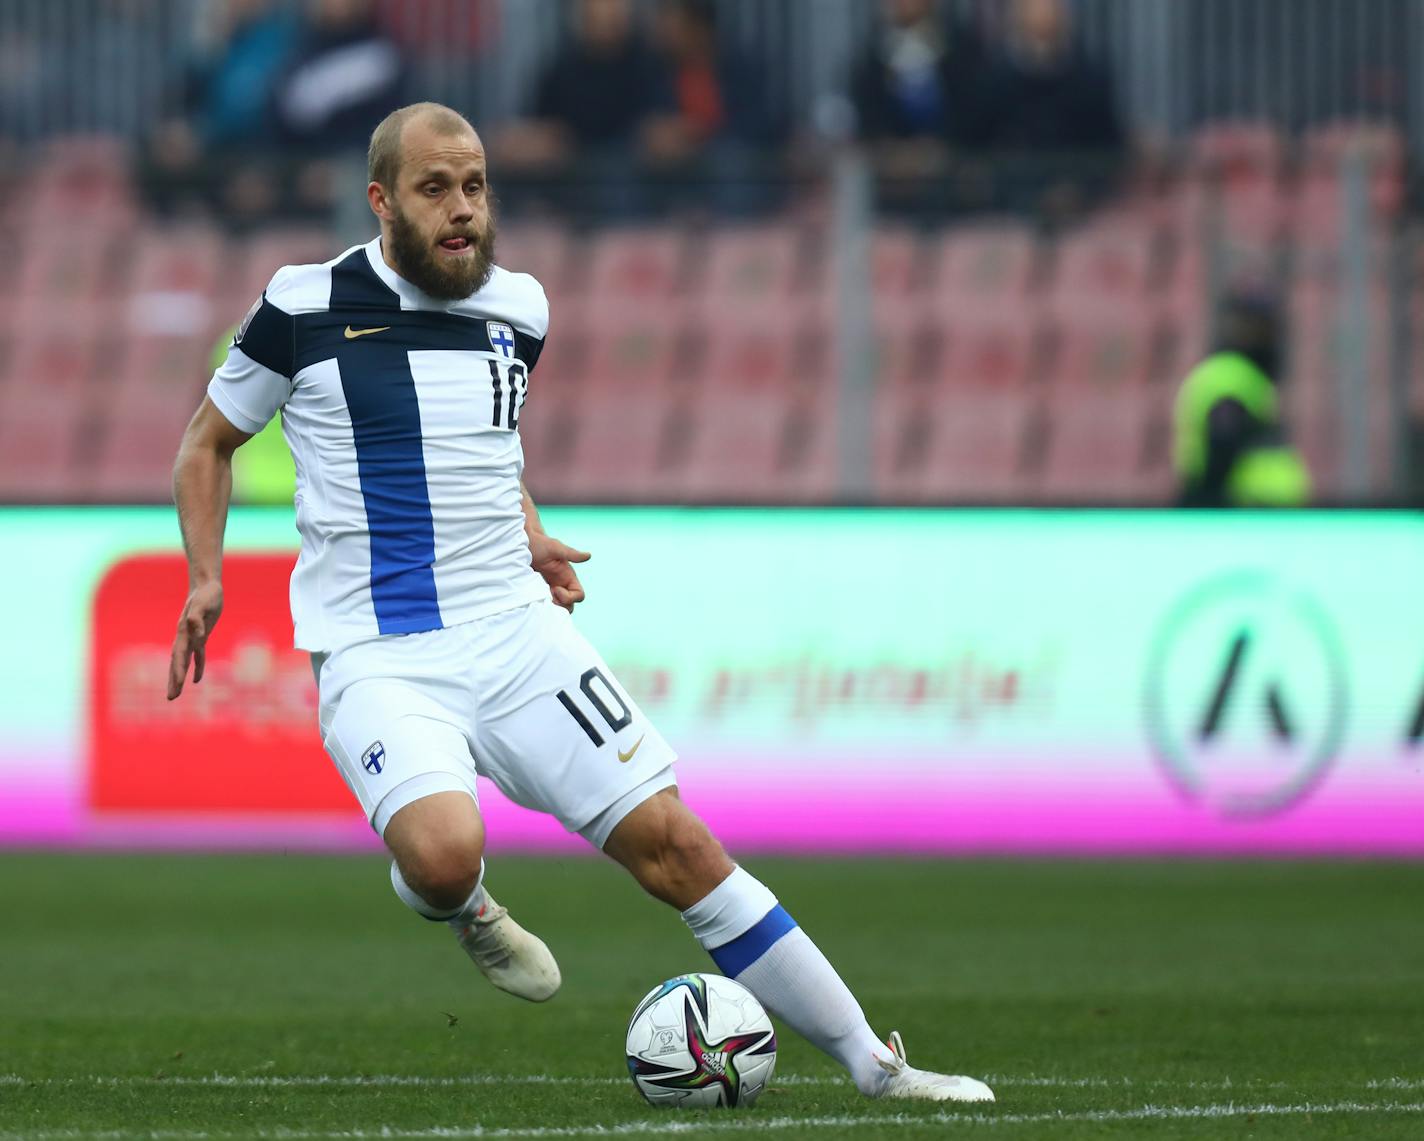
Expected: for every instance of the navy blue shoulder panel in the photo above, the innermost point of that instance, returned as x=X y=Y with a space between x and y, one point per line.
x=355 y=285
x=268 y=336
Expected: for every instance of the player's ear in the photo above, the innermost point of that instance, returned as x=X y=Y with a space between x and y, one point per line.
x=379 y=200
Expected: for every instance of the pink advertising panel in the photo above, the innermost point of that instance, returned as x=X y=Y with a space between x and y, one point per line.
x=894 y=681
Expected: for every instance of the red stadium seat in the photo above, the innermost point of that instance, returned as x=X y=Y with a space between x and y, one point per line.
x=58 y=352
x=81 y=177
x=761 y=445
x=896 y=256
x=761 y=427
x=629 y=445
x=187 y=259
x=1103 y=350
x=982 y=267
x=58 y=267
x=1329 y=146
x=137 y=443
x=902 y=434
x=563 y=363
x=1239 y=149
x=789 y=344
x=975 y=452
x=42 y=427
x=931 y=446
x=38 y=461
x=1097 y=445
x=632 y=343
x=909 y=346
x=175 y=366
x=1000 y=352
x=754 y=267
x=637 y=266
x=1115 y=258
x=543 y=249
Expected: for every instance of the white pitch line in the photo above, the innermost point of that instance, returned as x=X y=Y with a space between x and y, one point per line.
x=754 y=1124
x=357 y=1081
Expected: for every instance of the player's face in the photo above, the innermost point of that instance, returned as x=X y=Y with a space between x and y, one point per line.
x=442 y=231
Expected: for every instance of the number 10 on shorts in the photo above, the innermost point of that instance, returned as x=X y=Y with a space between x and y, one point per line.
x=598 y=691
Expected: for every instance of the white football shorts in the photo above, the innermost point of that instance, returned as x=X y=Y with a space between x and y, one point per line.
x=520 y=697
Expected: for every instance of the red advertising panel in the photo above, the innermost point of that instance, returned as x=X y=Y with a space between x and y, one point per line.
x=245 y=739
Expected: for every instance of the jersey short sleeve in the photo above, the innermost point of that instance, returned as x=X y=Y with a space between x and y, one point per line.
x=256 y=378
x=531 y=317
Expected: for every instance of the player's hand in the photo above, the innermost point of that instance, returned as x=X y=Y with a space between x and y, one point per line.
x=195 y=624
x=554 y=560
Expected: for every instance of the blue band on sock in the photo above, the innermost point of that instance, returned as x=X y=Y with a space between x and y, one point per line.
x=735 y=957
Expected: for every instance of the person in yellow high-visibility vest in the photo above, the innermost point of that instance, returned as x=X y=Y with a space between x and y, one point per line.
x=262 y=469
x=1229 y=441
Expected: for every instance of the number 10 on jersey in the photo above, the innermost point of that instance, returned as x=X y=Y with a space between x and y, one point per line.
x=511 y=389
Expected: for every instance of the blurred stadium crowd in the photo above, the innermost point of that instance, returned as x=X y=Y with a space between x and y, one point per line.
x=900 y=251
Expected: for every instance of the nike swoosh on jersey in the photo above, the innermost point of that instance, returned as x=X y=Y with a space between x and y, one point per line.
x=628 y=756
x=352 y=334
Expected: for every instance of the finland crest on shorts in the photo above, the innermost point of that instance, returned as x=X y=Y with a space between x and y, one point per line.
x=501 y=337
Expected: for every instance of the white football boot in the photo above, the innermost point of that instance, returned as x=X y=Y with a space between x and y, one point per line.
x=507 y=955
x=923 y=1085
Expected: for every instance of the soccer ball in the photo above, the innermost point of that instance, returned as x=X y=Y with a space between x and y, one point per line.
x=700 y=1041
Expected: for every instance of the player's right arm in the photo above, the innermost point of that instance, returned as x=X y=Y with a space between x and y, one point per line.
x=248 y=388
x=202 y=490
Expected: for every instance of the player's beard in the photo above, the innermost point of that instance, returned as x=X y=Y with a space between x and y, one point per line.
x=449 y=279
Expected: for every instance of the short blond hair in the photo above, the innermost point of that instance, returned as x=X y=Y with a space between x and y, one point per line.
x=383 y=156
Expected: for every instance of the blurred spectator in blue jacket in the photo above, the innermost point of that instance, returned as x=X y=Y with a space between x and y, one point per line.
x=919 y=78
x=1051 y=106
x=918 y=97
x=227 y=92
x=211 y=150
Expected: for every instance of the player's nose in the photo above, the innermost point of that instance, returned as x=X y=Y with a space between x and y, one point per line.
x=462 y=208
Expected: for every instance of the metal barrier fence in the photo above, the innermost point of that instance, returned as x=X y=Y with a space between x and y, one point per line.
x=115 y=67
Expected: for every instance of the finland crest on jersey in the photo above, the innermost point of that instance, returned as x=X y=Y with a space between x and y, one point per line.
x=402 y=413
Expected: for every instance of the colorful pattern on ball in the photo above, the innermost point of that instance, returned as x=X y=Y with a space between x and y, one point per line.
x=704 y=1066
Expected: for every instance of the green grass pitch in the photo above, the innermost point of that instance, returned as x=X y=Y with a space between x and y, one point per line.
x=294 y=997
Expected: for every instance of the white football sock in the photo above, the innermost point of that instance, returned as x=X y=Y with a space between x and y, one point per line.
x=458 y=918
x=752 y=939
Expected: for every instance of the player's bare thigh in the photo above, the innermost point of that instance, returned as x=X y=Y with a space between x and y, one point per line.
x=669 y=850
x=439 y=843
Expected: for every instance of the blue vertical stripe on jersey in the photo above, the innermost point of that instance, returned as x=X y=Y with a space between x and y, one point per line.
x=390 y=458
x=735 y=957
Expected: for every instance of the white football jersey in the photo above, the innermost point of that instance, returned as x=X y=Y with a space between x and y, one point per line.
x=402 y=413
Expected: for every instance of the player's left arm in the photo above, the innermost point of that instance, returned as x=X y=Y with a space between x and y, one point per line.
x=551 y=558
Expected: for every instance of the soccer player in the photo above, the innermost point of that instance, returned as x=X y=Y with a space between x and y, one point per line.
x=436 y=608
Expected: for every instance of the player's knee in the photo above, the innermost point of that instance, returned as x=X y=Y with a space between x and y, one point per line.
x=443 y=870
x=683 y=860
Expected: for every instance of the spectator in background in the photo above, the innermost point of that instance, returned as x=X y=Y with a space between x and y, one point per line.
x=606 y=99
x=1054 y=109
x=917 y=93
x=718 y=95
x=225 y=91
x=1230 y=445
x=714 y=149
x=345 y=74
x=919 y=79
